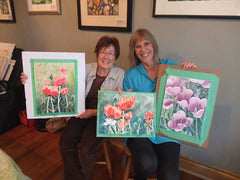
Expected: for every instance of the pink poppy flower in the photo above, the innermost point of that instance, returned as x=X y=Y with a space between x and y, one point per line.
x=126 y=103
x=179 y=121
x=197 y=106
x=59 y=81
x=112 y=112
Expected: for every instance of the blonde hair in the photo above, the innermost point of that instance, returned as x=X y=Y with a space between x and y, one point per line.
x=139 y=35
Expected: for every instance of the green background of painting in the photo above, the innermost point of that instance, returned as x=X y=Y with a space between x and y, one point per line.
x=145 y=102
x=207 y=119
x=53 y=66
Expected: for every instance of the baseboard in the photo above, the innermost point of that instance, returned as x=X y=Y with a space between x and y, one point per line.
x=205 y=171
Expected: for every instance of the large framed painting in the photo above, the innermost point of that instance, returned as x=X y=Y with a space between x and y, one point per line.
x=131 y=114
x=197 y=8
x=43 y=6
x=7 y=13
x=185 y=103
x=55 y=86
x=107 y=15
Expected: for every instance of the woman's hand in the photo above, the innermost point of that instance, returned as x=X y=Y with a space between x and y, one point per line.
x=23 y=78
x=120 y=90
x=188 y=65
x=88 y=113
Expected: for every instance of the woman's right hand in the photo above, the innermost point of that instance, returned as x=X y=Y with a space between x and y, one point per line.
x=23 y=78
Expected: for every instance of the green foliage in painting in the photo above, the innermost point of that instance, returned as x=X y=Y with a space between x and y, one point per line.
x=127 y=115
x=54 y=85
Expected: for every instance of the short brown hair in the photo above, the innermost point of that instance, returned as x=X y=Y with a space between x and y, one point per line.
x=106 y=41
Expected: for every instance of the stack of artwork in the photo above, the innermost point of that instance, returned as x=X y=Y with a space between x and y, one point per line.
x=183 y=110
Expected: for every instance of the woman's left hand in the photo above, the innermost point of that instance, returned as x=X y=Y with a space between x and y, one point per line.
x=188 y=65
x=88 y=113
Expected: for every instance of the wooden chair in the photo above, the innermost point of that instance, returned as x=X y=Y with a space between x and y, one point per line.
x=127 y=164
x=104 y=147
x=118 y=142
x=107 y=160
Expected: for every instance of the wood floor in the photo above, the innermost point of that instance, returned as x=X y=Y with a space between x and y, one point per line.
x=37 y=154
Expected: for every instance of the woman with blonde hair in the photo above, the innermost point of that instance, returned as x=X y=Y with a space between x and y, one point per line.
x=159 y=154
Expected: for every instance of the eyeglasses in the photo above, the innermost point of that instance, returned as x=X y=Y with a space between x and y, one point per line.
x=107 y=53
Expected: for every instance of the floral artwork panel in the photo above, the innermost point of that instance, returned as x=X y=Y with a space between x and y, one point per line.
x=185 y=105
x=56 y=84
x=131 y=114
x=185 y=100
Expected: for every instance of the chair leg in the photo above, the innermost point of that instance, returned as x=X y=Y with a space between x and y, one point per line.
x=108 y=160
x=127 y=168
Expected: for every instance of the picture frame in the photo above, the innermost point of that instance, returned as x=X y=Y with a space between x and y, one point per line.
x=43 y=6
x=7 y=13
x=185 y=103
x=196 y=9
x=114 y=16
x=55 y=85
x=131 y=114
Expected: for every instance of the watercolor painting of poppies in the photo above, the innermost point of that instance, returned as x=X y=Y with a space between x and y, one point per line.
x=54 y=85
x=131 y=114
x=185 y=105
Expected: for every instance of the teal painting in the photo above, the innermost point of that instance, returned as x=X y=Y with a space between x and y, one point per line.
x=131 y=114
x=185 y=104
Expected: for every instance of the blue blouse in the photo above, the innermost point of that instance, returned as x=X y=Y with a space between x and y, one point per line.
x=137 y=80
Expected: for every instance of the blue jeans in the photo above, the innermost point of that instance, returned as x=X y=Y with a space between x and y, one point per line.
x=81 y=131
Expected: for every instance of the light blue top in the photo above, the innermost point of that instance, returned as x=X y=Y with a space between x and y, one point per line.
x=137 y=80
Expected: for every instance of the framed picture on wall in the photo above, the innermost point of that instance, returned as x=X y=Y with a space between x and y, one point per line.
x=186 y=101
x=55 y=86
x=7 y=13
x=197 y=8
x=107 y=15
x=43 y=6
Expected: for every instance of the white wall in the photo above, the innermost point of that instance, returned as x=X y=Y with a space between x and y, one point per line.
x=211 y=43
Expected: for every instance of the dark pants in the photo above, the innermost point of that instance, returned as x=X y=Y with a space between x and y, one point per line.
x=81 y=131
x=150 y=158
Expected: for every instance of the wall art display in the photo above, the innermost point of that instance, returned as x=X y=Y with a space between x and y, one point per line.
x=185 y=104
x=131 y=114
x=197 y=8
x=7 y=13
x=43 y=6
x=105 y=15
x=56 y=84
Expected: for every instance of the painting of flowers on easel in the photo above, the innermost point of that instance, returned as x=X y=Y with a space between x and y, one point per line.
x=185 y=104
x=130 y=114
x=54 y=87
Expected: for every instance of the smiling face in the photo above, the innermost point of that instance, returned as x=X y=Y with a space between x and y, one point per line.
x=144 y=51
x=106 y=58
